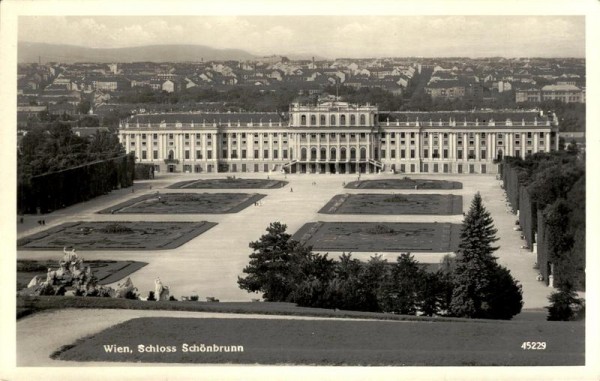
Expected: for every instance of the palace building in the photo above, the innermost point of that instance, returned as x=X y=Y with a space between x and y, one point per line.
x=337 y=137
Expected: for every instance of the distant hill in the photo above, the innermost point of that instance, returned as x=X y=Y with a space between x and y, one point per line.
x=30 y=52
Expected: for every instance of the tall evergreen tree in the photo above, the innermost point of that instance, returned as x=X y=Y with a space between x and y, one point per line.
x=270 y=267
x=482 y=288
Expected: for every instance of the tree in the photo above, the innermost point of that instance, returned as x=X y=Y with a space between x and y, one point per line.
x=270 y=267
x=477 y=278
x=400 y=293
x=564 y=304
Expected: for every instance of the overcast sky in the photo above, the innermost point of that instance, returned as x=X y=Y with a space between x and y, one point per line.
x=326 y=36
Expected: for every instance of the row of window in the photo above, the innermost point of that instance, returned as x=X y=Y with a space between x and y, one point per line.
x=332 y=120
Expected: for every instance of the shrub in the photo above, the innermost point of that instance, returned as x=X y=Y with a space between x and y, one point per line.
x=151 y=296
x=380 y=229
x=116 y=229
x=564 y=305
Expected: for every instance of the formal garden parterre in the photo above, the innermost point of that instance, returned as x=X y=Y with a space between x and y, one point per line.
x=185 y=203
x=404 y=183
x=380 y=236
x=394 y=204
x=122 y=235
x=229 y=183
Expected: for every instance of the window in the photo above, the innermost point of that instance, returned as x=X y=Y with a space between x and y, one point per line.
x=393 y=153
x=343 y=120
x=363 y=135
x=459 y=154
x=143 y=155
x=402 y=153
x=303 y=120
x=445 y=153
x=209 y=154
x=352 y=120
x=322 y=120
x=170 y=136
x=426 y=153
x=483 y=152
x=155 y=155
x=266 y=154
x=198 y=154
x=155 y=136
x=284 y=154
x=256 y=154
x=313 y=120
x=383 y=154
x=224 y=154
x=234 y=154
x=243 y=154
x=412 y=153
x=332 y=120
x=363 y=120
x=186 y=136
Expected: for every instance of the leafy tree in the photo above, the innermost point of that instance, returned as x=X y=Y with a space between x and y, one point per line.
x=400 y=293
x=477 y=278
x=564 y=304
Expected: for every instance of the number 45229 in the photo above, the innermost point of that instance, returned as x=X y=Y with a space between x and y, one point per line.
x=533 y=345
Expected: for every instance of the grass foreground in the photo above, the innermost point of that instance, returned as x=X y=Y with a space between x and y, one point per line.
x=331 y=342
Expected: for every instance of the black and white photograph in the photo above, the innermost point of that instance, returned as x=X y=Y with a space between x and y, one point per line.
x=360 y=190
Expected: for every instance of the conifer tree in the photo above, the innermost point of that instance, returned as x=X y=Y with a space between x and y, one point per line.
x=269 y=270
x=482 y=288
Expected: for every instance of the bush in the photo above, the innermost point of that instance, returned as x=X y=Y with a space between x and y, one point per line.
x=151 y=297
x=565 y=305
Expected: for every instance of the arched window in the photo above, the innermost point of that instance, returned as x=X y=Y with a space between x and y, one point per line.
x=332 y=154
x=313 y=120
x=313 y=153
x=352 y=153
x=171 y=154
x=363 y=120
x=343 y=120
x=363 y=153
x=353 y=120
x=303 y=153
x=332 y=120
x=303 y=120
x=323 y=121
x=323 y=153
x=343 y=153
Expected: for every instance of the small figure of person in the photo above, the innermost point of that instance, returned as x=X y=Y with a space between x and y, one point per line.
x=43 y=222
x=21 y=220
x=291 y=189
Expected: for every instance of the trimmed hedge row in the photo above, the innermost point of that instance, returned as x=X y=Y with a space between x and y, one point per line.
x=60 y=189
x=548 y=190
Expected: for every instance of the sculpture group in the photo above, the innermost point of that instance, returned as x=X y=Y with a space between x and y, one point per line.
x=73 y=278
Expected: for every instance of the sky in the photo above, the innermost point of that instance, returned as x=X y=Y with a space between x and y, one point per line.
x=325 y=36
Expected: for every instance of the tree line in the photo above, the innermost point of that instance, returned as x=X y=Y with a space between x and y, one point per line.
x=471 y=284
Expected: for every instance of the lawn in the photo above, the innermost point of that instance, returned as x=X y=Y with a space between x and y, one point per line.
x=229 y=183
x=328 y=342
x=185 y=203
x=382 y=236
x=105 y=271
x=106 y=235
x=387 y=204
x=404 y=183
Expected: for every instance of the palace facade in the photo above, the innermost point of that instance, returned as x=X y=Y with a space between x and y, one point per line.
x=337 y=137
